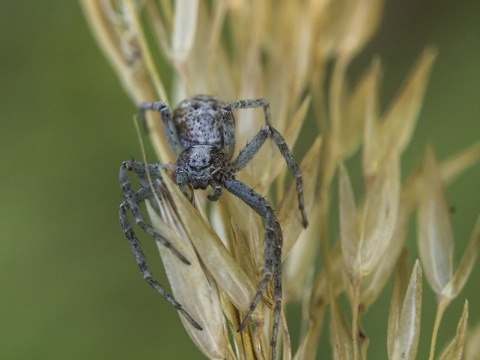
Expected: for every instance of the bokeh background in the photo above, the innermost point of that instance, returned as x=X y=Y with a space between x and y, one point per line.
x=69 y=287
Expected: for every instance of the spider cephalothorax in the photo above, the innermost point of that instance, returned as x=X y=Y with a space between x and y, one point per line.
x=200 y=166
x=201 y=133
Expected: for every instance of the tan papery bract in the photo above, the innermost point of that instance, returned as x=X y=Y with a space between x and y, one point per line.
x=405 y=340
x=435 y=237
x=195 y=291
x=455 y=350
x=212 y=252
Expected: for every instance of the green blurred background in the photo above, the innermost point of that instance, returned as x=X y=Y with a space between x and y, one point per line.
x=69 y=287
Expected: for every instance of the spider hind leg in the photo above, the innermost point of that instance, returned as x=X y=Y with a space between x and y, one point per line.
x=273 y=254
x=250 y=150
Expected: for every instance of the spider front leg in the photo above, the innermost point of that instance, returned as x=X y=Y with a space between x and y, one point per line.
x=132 y=200
x=249 y=151
x=131 y=203
x=168 y=125
x=273 y=254
x=229 y=124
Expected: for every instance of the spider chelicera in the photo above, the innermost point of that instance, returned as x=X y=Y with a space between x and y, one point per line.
x=201 y=133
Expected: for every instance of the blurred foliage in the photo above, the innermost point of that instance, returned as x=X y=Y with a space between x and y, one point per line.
x=70 y=287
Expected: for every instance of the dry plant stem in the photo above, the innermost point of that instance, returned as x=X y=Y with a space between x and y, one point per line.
x=336 y=97
x=355 y=282
x=108 y=38
x=287 y=345
x=329 y=157
x=442 y=305
x=324 y=201
x=214 y=41
x=146 y=55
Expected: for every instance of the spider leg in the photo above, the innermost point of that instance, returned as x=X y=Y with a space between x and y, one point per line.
x=251 y=103
x=131 y=203
x=217 y=191
x=142 y=263
x=229 y=124
x=168 y=124
x=273 y=254
x=187 y=190
x=249 y=151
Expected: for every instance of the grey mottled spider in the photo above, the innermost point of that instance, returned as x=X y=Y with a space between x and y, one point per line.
x=201 y=132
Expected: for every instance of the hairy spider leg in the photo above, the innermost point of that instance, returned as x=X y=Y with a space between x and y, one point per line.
x=131 y=203
x=273 y=253
x=249 y=151
x=132 y=200
x=251 y=103
x=168 y=124
x=273 y=236
x=228 y=122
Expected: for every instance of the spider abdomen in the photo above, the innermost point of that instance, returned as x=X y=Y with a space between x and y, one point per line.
x=198 y=121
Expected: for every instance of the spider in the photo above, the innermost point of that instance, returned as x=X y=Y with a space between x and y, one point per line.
x=201 y=133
